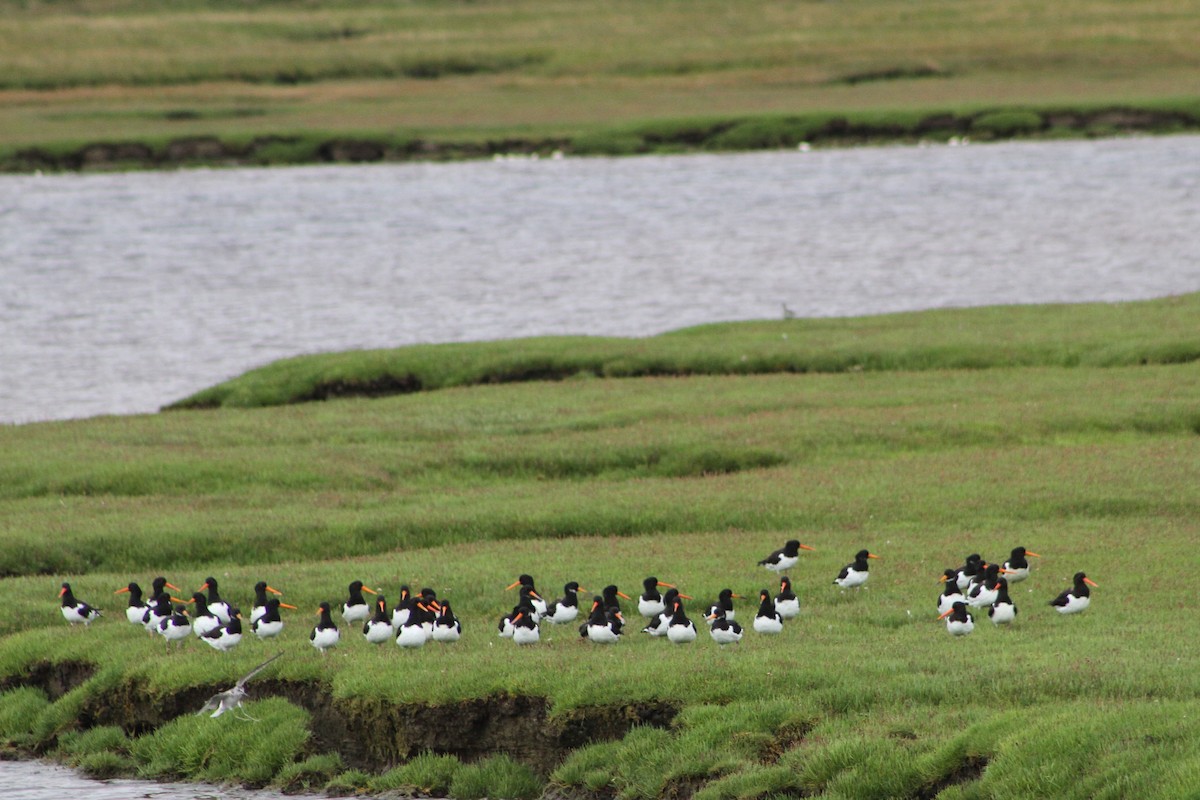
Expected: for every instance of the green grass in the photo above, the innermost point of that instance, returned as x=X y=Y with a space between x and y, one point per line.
x=1063 y=443
x=590 y=74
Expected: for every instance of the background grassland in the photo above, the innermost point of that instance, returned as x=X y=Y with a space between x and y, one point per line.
x=552 y=70
x=1090 y=461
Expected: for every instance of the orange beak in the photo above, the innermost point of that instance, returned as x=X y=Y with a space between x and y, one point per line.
x=273 y=591
x=738 y=596
x=946 y=613
x=1090 y=582
x=689 y=597
x=1031 y=553
x=512 y=585
x=1005 y=571
x=205 y=586
x=170 y=585
x=872 y=555
x=118 y=591
x=518 y=616
x=943 y=579
x=806 y=547
x=581 y=589
x=287 y=605
x=711 y=616
x=622 y=594
x=534 y=595
x=668 y=585
x=369 y=590
x=62 y=591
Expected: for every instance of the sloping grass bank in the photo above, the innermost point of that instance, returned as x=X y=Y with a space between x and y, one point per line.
x=1159 y=331
x=1087 y=456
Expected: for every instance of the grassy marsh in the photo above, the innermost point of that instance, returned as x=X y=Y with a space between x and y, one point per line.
x=541 y=73
x=1088 y=460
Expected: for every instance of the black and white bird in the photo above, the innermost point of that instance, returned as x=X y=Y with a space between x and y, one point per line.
x=218 y=607
x=658 y=625
x=412 y=633
x=650 y=602
x=137 y=608
x=76 y=611
x=1075 y=599
x=725 y=603
x=228 y=636
x=566 y=608
x=603 y=625
x=724 y=631
x=261 y=590
x=985 y=588
x=1002 y=610
x=535 y=599
x=855 y=574
x=681 y=630
x=378 y=629
x=176 y=627
x=964 y=574
x=270 y=623
x=767 y=620
x=203 y=620
x=950 y=593
x=958 y=621
x=404 y=607
x=234 y=696
x=1017 y=567
x=356 y=608
x=160 y=608
x=446 y=628
x=785 y=557
x=325 y=634
x=525 y=626
x=786 y=602
x=611 y=603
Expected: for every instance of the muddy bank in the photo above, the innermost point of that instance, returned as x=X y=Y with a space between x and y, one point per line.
x=735 y=134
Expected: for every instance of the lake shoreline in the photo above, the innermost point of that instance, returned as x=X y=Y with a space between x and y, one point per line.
x=731 y=134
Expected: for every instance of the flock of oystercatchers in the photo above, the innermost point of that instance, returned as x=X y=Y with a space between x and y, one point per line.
x=421 y=617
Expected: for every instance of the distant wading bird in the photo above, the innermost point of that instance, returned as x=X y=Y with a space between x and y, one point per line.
x=326 y=634
x=232 y=698
x=786 y=602
x=1075 y=599
x=855 y=574
x=1017 y=568
x=356 y=608
x=136 y=611
x=76 y=611
x=958 y=621
x=785 y=557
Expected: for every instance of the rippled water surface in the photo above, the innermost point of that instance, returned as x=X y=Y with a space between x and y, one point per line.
x=120 y=293
x=34 y=780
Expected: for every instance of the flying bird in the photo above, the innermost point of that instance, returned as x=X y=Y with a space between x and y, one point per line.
x=232 y=698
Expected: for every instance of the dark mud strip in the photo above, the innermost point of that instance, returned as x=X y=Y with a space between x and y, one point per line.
x=993 y=124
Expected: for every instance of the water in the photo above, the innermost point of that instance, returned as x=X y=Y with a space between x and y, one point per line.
x=35 y=780
x=120 y=293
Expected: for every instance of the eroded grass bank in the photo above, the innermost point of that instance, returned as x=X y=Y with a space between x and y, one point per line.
x=727 y=134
